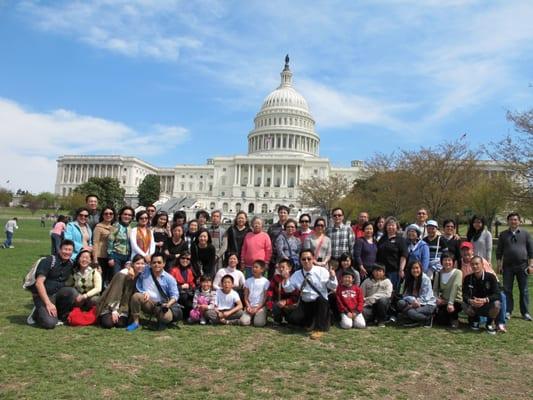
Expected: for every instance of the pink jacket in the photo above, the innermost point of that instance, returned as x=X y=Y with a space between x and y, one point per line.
x=256 y=246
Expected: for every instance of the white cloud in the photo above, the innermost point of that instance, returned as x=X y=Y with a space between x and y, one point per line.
x=333 y=108
x=32 y=141
x=134 y=29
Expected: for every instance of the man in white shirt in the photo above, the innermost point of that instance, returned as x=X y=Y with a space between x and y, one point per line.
x=9 y=228
x=313 y=283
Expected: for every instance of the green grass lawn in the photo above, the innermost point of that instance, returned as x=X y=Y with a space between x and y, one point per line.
x=197 y=362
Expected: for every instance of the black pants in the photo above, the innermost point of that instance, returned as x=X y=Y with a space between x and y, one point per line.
x=63 y=300
x=311 y=313
x=377 y=311
x=185 y=301
x=443 y=317
x=106 y=321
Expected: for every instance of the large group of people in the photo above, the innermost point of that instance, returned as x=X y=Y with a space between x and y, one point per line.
x=301 y=272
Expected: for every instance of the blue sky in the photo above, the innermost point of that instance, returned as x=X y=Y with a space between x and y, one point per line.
x=181 y=81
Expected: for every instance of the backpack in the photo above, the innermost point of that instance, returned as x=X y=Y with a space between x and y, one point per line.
x=29 y=281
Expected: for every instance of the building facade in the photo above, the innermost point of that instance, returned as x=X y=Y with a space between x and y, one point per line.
x=283 y=151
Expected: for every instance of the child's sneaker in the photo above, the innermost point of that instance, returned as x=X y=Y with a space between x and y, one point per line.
x=203 y=321
x=474 y=326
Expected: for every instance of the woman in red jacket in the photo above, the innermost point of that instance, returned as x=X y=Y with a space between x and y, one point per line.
x=184 y=275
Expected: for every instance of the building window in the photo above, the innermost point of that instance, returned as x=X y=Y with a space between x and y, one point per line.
x=251 y=208
x=264 y=208
x=225 y=207
x=237 y=207
x=222 y=194
x=212 y=205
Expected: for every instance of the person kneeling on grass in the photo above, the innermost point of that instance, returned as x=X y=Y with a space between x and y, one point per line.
x=113 y=307
x=418 y=302
x=481 y=296
x=313 y=282
x=52 y=298
x=157 y=295
x=279 y=302
x=350 y=302
x=228 y=305
x=377 y=292
x=448 y=289
x=255 y=289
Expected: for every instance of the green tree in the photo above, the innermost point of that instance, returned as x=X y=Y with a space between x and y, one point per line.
x=6 y=196
x=489 y=197
x=436 y=178
x=32 y=202
x=47 y=200
x=324 y=193
x=108 y=191
x=72 y=202
x=149 y=190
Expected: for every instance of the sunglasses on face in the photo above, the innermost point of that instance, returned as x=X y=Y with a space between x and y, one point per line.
x=304 y=221
x=306 y=258
x=337 y=215
x=83 y=215
x=109 y=213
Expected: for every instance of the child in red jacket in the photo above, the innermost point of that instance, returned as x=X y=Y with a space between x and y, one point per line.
x=350 y=302
x=281 y=304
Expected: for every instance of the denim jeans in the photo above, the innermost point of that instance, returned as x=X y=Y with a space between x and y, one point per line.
x=521 y=275
x=9 y=239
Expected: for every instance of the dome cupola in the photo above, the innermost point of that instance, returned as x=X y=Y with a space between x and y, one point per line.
x=284 y=123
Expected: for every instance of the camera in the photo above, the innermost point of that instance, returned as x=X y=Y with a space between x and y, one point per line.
x=161 y=308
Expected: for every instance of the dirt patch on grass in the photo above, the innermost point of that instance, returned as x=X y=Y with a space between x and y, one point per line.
x=485 y=377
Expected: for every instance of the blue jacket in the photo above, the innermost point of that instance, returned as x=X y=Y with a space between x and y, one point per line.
x=425 y=296
x=420 y=252
x=166 y=281
x=73 y=232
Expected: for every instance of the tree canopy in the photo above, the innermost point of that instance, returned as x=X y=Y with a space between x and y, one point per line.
x=149 y=190
x=108 y=191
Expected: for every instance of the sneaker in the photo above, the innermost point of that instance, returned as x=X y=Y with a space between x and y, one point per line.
x=11 y=247
x=507 y=315
x=133 y=326
x=381 y=324
x=59 y=323
x=474 y=326
x=428 y=323
x=203 y=321
x=410 y=324
x=491 y=330
x=316 y=335
x=527 y=317
x=30 y=320
x=502 y=328
x=190 y=320
x=454 y=324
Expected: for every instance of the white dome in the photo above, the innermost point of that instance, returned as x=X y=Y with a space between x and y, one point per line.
x=284 y=123
x=283 y=97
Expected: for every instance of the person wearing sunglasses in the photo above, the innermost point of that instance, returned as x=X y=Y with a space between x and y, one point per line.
x=142 y=238
x=313 y=282
x=304 y=229
x=101 y=233
x=319 y=243
x=341 y=235
x=118 y=242
x=79 y=232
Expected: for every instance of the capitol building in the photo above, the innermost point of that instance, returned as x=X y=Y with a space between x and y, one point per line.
x=283 y=151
